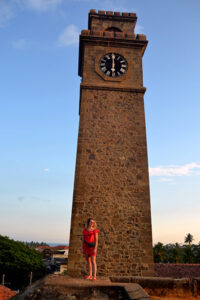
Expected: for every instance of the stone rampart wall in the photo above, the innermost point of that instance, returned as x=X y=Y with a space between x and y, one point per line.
x=177 y=270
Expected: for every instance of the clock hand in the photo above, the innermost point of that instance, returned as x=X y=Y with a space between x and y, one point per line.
x=113 y=62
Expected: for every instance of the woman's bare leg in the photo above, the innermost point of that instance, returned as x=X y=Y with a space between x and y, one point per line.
x=94 y=266
x=89 y=265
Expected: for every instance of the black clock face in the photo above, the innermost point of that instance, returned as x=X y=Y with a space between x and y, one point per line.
x=113 y=65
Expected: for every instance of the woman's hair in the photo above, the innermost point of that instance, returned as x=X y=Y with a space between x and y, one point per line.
x=94 y=224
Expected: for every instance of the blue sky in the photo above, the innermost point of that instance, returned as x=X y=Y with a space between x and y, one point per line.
x=39 y=98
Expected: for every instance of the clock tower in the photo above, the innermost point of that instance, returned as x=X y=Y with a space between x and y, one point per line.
x=111 y=177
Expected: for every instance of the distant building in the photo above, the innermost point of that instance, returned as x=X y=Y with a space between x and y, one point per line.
x=55 y=258
x=54 y=249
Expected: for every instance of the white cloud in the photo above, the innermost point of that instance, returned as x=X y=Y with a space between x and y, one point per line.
x=164 y=179
x=69 y=36
x=174 y=170
x=8 y=8
x=39 y=5
x=20 y=198
x=6 y=12
x=46 y=170
x=20 y=44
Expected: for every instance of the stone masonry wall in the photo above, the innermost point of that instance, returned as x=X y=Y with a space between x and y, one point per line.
x=134 y=76
x=177 y=270
x=112 y=185
x=106 y=19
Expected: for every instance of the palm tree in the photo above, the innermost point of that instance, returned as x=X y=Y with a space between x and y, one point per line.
x=189 y=238
x=188 y=255
x=176 y=254
x=159 y=253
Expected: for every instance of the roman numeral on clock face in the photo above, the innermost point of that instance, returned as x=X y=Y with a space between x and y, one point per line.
x=113 y=65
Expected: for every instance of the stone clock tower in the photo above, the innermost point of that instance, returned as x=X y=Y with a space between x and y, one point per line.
x=111 y=177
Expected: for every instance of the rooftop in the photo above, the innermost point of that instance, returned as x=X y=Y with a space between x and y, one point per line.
x=6 y=293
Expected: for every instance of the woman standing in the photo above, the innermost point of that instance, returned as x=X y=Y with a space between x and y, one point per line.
x=90 y=243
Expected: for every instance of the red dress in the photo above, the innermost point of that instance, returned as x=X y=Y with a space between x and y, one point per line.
x=89 y=237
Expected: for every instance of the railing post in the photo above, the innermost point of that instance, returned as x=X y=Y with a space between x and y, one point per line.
x=31 y=277
x=3 y=279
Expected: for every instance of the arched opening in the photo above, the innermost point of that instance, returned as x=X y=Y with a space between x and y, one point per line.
x=114 y=29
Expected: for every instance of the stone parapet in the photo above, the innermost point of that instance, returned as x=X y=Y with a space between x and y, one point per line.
x=177 y=270
x=66 y=287
x=113 y=13
x=112 y=21
x=165 y=288
x=113 y=35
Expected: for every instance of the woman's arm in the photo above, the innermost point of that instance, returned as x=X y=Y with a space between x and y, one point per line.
x=96 y=242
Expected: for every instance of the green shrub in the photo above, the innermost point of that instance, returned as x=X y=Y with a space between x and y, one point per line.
x=17 y=261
